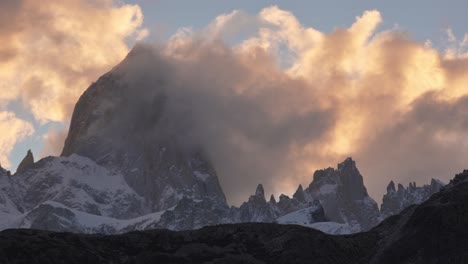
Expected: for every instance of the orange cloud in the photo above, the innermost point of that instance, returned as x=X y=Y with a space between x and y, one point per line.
x=371 y=80
x=282 y=103
x=52 y=51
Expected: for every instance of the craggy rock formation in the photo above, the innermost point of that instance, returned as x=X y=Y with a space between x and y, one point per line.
x=27 y=162
x=395 y=200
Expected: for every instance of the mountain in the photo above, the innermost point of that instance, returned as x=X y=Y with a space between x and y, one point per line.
x=123 y=127
x=395 y=200
x=344 y=196
x=126 y=166
x=76 y=194
x=432 y=232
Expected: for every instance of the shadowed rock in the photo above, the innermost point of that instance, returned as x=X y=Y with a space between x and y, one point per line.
x=27 y=162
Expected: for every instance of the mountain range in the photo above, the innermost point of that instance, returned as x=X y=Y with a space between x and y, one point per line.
x=432 y=232
x=121 y=169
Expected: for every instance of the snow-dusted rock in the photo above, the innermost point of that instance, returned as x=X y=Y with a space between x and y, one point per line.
x=305 y=217
x=343 y=195
x=122 y=125
x=78 y=183
x=395 y=200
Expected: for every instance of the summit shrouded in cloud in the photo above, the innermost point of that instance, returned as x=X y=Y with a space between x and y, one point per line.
x=269 y=107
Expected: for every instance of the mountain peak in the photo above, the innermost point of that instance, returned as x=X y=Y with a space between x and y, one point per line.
x=272 y=199
x=259 y=191
x=391 y=187
x=27 y=161
x=348 y=163
x=299 y=194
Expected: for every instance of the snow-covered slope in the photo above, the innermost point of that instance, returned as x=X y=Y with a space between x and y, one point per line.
x=78 y=183
x=55 y=216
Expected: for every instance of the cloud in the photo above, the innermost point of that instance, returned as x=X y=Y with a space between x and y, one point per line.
x=394 y=104
x=51 y=52
x=13 y=130
x=427 y=141
x=272 y=108
x=53 y=142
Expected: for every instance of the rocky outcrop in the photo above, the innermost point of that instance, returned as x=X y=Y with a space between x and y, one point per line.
x=26 y=163
x=395 y=200
x=343 y=195
x=256 y=209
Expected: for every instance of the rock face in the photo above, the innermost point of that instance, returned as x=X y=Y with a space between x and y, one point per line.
x=336 y=195
x=343 y=195
x=123 y=127
x=398 y=199
x=27 y=162
x=432 y=232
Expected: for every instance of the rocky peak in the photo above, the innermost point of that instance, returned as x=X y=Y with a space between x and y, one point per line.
x=344 y=197
x=299 y=194
x=461 y=177
x=436 y=185
x=401 y=188
x=391 y=187
x=394 y=202
x=412 y=186
x=272 y=199
x=258 y=199
x=283 y=197
x=27 y=162
x=122 y=123
x=322 y=174
x=347 y=164
x=352 y=180
x=259 y=192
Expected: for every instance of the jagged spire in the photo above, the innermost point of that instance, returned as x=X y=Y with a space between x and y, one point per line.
x=272 y=199
x=347 y=163
x=259 y=191
x=299 y=194
x=26 y=162
x=391 y=187
x=283 y=197
x=401 y=188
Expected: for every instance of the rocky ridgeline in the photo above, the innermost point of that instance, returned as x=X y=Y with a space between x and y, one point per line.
x=397 y=199
x=76 y=194
x=123 y=168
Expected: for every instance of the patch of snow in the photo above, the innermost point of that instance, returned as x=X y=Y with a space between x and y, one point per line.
x=335 y=228
x=201 y=176
x=328 y=188
x=299 y=217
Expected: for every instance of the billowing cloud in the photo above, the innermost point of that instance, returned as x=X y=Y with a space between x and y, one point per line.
x=271 y=109
x=50 y=52
x=12 y=130
x=292 y=99
x=53 y=142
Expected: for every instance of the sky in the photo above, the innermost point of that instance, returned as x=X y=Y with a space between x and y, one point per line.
x=382 y=81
